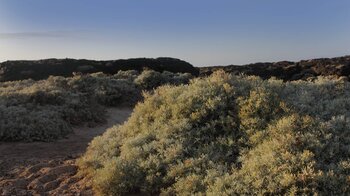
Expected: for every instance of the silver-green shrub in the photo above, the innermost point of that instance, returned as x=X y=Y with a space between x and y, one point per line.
x=229 y=135
x=150 y=79
x=45 y=110
x=26 y=124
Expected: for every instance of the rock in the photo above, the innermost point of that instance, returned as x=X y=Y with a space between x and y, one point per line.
x=31 y=177
x=21 y=183
x=66 y=169
x=36 y=185
x=22 y=193
x=73 y=180
x=6 y=191
x=47 y=178
x=37 y=167
x=289 y=71
x=51 y=185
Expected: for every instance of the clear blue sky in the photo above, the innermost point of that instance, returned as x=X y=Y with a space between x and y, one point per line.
x=202 y=32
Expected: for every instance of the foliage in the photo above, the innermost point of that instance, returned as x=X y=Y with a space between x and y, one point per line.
x=229 y=135
x=20 y=123
x=45 y=110
x=150 y=79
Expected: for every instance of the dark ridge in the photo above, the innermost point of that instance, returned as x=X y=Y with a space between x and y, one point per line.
x=288 y=71
x=42 y=69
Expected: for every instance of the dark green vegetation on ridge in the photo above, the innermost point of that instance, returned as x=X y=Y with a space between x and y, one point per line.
x=289 y=71
x=285 y=70
x=42 y=69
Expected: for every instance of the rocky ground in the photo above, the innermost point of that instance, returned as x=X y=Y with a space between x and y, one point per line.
x=41 y=168
x=337 y=68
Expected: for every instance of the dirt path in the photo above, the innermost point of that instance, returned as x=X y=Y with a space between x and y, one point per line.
x=42 y=168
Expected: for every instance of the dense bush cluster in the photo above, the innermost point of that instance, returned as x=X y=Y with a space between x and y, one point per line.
x=150 y=79
x=45 y=110
x=229 y=135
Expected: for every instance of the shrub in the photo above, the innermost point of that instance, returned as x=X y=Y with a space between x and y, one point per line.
x=228 y=135
x=107 y=90
x=127 y=75
x=150 y=79
x=26 y=106
x=43 y=110
x=22 y=124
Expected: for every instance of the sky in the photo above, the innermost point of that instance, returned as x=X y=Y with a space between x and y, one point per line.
x=202 y=32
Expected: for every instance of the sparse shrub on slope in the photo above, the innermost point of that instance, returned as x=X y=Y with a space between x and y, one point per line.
x=228 y=135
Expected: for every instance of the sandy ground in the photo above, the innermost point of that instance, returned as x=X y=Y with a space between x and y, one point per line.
x=42 y=168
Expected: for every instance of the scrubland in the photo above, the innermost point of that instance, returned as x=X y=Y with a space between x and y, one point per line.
x=228 y=135
x=223 y=134
x=46 y=110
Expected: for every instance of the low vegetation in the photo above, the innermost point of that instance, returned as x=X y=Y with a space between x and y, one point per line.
x=46 y=110
x=229 y=135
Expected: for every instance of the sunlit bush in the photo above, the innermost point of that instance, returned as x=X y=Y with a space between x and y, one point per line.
x=107 y=90
x=128 y=75
x=24 y=124
x=43 y=110
x=229 y=135
x=150 y=79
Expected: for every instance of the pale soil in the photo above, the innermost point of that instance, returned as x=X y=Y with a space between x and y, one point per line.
x=41 y=168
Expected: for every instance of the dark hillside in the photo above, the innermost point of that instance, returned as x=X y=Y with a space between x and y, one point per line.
x=338 y=67
x=288 y=71
x=42 y=69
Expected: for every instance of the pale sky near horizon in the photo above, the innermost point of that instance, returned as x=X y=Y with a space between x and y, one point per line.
x=202 y=32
